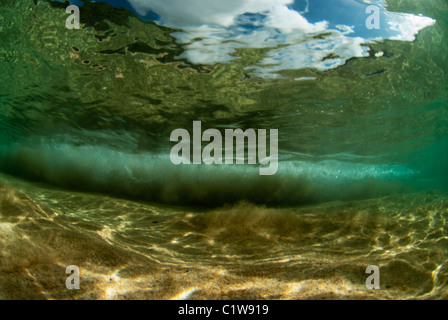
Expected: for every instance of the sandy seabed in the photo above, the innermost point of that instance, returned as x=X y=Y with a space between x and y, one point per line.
x=136 y=250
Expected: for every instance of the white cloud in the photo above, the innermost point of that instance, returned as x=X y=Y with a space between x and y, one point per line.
x=193 y=13
x=408 y=25
x=213 y=29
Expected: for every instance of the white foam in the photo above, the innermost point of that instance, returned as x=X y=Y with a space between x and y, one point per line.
x=154 y=177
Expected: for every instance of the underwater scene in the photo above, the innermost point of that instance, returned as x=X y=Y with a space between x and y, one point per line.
x=239 y=149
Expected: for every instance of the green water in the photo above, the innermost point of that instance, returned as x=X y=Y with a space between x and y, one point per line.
x=85 y=121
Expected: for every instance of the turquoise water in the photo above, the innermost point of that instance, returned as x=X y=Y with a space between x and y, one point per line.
x=375 y=120
x=361 y=113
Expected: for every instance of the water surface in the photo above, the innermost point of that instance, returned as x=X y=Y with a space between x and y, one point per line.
x=86 y=117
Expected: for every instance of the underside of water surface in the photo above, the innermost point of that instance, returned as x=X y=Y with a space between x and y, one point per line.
x=86 y=178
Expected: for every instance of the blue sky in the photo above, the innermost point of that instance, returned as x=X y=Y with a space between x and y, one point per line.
x=290 y=24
